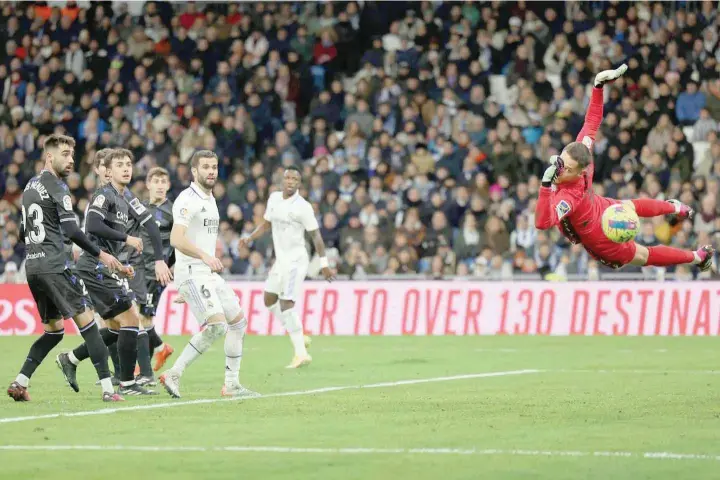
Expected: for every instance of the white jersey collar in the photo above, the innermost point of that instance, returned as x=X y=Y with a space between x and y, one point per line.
x=291 y=198
x=199 y=191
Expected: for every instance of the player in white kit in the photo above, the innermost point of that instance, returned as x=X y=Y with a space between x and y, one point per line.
x=290 y=216
x=196 y=222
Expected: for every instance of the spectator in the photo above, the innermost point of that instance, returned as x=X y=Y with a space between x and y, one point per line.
x=704 y=126
x=661 y=134
x=11 y=274
x=689 y=104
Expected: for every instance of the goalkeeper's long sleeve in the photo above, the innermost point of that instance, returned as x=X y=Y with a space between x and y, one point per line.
x=593 y=118
x=544 y=215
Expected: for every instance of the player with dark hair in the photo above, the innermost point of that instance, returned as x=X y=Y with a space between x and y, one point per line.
x=103 y=178
x=108 y=221
x=566 y=199
x=160 y=207
x=288 y=215
x=47 y=220
x=214 y=304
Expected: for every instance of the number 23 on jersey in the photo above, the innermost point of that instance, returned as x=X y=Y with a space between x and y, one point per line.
x=34 y=231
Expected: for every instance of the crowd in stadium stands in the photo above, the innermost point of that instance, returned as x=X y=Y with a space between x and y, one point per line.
x=421 y=128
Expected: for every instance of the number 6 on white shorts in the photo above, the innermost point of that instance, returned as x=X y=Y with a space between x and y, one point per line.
x=201 y=297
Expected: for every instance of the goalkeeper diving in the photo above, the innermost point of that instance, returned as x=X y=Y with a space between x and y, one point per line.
x=567 y=199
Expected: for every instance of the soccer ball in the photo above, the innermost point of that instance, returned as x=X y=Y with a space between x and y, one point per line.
x=620 y=223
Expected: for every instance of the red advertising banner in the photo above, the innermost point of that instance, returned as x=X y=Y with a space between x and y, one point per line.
x=445 y=308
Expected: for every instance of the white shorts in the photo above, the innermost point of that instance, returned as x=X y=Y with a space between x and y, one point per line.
x=286 y=279
x=209 y=295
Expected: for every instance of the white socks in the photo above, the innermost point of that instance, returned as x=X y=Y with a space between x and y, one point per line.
x=201 y=342
x=22 y=380
x=233 y=351
x=106 y=385
x=292 y=323
x=198 y=345
x=73 y=359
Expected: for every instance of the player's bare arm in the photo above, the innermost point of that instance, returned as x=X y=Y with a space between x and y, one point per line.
x=259 y=231
x=179 y=241
x=319 y=245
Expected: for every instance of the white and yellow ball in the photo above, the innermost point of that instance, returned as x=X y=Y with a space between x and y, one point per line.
x=620 y=223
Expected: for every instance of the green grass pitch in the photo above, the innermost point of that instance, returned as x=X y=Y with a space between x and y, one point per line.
x=594 y=408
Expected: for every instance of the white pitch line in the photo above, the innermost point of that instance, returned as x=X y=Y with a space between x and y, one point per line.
x=638 y=371
x=366 y=451
x=153 y=406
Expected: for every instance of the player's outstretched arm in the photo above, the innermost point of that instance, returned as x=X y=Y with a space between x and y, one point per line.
x=262 y=228
x=179 y=241
x=608 y=76
x=594 y=114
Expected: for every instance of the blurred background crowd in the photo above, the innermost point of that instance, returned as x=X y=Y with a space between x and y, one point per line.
x=422 y=128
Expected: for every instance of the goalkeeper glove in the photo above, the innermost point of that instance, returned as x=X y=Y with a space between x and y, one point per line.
x=552 y=172
x=607 y=76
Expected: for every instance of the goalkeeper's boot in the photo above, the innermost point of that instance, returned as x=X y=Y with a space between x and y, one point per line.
x=68 y=369
x=18 y=393
x=681 y=210
x=706 y=254
x=237 y=391
x=171 y=381
x=300 y=361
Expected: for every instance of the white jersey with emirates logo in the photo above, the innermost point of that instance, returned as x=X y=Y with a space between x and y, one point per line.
x=290 y=219
x=199 y=213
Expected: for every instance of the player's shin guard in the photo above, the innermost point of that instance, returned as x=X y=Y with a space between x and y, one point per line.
x=127 y=351
x=233 y=351
x=98 y=354
x=38 y=351
x=198 y=345
x=294 y=327
x=648 y=207
x=143 y=354
x=662 y=256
